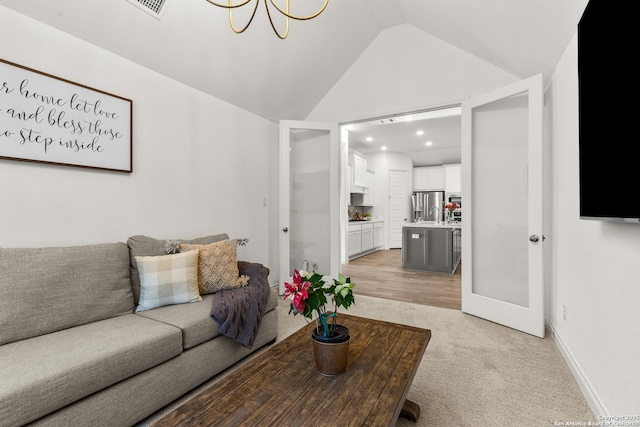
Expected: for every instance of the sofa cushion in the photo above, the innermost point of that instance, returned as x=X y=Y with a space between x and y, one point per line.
x=217 y=266
x=43 y=290
x=195 y=319
x=45 y=373
x=148 y=246
x=168 y=279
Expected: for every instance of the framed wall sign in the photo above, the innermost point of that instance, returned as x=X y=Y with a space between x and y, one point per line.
x=47 y=119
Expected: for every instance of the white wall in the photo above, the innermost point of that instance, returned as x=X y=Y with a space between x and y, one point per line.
x=200 y=165
x=406 y=69
x=595 y=273
x=446 y=156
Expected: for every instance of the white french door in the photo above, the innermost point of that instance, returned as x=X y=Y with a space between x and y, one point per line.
x=309 y=198
x=502 y=227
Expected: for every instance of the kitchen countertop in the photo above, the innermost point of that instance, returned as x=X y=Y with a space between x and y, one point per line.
x=364 y=221
x=432 y=224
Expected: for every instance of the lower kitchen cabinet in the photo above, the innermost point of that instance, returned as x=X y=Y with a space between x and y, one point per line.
x=378 y=234
x=363 y=238
x=367 y=237
x=431 y=249
x=354 y=239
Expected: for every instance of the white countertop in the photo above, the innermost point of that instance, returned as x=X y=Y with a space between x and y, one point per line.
x=432 y=224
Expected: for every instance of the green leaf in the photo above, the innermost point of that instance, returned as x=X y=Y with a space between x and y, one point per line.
x=316 y=278
x=313 y=302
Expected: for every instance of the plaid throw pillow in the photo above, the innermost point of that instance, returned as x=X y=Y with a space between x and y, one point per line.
x=168 y=279
x=217 y=266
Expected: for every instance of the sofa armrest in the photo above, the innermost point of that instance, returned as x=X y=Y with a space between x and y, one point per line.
x=255 y=271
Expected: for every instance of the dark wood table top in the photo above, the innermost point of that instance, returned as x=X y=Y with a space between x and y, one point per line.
x=281 y=386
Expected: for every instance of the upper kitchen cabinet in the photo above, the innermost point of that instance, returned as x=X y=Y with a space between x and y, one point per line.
x=359 y=171
x=368 y=189
x=364 y=198
x=429 y=178
x=453 y=178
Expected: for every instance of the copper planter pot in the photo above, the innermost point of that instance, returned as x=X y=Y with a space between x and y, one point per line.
x=331 y=354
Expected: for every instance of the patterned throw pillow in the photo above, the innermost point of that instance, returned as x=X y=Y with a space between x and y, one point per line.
x=217 y=267
x=168 y=279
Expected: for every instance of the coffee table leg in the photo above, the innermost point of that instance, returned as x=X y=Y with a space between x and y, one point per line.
x=410 y=410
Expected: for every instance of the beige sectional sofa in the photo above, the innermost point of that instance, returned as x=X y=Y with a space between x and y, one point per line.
x=74 y=351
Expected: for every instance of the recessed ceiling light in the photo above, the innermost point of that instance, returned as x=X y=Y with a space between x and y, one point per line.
x=383 y=148
x=428 y=143
x=420 y=132
x=369 y=139
x=408 y=118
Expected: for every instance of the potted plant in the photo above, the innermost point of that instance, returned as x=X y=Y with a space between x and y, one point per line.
x=310 y=295
x=451 y=206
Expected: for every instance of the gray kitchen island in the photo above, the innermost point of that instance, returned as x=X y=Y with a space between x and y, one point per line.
x=431 y=246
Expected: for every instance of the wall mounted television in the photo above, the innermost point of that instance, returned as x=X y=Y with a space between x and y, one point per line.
x=609 y=166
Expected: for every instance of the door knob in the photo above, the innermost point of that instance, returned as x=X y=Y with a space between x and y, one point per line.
x=285 y=229
x=534 y=238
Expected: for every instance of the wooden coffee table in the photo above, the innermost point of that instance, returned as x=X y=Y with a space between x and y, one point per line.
x=281 y=386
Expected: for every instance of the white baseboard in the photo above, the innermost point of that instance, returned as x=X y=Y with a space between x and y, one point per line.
x=589 y=393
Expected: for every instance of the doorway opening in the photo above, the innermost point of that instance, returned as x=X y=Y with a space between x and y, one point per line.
x=378 y=200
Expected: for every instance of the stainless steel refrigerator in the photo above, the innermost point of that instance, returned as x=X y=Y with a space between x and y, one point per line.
x=427 y=206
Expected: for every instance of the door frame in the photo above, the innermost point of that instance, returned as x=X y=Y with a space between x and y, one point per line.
x=345 y=162
x=527 y=319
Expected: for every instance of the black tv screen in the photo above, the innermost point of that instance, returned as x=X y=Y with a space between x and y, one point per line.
x=609 y=164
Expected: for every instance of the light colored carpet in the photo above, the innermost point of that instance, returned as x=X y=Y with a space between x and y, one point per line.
x=474 y=372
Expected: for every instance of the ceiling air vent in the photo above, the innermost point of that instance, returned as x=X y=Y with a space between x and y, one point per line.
x=154 y=8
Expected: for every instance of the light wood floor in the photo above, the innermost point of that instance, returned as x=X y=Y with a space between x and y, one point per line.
x=381 y=275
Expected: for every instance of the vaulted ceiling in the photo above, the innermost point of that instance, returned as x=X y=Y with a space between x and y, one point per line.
x=284 y=79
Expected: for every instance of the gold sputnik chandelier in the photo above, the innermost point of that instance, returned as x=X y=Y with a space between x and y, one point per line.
x=286 y=13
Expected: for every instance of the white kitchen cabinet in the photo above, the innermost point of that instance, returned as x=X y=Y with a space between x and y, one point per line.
x=368 y=190
x=364 y=237
x=430 y=178
x=359 y=172
x=420 y=179
x=352 y=187
x=453 y=178
x=367 y=237
x=354 y=239
x=436 y=178
x=378 y=234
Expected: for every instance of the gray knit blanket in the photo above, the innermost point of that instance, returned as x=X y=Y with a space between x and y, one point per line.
x=239 y=311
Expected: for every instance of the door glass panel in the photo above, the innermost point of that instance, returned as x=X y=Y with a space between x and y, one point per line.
x=309 y=198
x=500 y=244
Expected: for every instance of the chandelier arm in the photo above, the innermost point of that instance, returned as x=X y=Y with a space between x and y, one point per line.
x=286 y=32
x=229 y=6
x=248 y=23
x=299 y=18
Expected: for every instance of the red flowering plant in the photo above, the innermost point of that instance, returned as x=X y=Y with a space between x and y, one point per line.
x=308 y=294
x=451 y=206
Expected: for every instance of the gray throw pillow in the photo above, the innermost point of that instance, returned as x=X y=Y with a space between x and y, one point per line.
x=149 y=246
